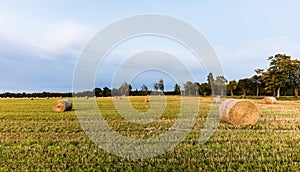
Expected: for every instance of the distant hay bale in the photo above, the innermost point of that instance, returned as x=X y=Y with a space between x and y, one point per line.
x=146 y=100
x=269 y=100
x=62 y=105
x=238 y=112
x=216 y=99
x=31 y=98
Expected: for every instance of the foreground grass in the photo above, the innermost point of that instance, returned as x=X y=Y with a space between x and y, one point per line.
x=32 y=137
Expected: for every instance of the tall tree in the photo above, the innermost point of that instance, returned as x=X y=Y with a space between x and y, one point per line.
x=244 y=84
x=177 y=89
x=125 y=89
x=97 y=92
x=106 y=92
x=211 y=82
x=295 y=76
x=191 y=89
x=188 y=88
x=155 y=85
x=144 y=89
x=196 y=88
x=221 y=83
x=115 y=92
x=205 y=89
x=232 y=86
x=257 y=82
x=161 y=85
x=278 y=75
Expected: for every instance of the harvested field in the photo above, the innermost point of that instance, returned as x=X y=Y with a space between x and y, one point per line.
x=34 y=138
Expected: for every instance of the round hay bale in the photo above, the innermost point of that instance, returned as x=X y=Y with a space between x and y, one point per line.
x=146 y=100
x=269 y=100
x=216 y=99
x=238 y=112
x=62 y=105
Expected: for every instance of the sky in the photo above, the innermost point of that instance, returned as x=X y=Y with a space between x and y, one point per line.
x=41 y=41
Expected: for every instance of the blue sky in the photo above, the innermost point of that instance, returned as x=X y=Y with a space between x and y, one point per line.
x=40 y=41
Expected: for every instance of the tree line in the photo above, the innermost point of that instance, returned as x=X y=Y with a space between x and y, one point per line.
x=282 y=77
x=33 y=95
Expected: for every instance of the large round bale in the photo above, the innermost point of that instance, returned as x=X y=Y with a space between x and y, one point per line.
x=238 y=112
x=62 y=105
x=269 y=100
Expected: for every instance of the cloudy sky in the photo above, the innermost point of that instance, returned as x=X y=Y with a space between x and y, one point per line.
x=40 y=41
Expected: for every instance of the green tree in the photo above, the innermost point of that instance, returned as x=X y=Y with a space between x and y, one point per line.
x=205 y=89
x=191 y=89
x=155 y=85
x=115 y=92
x=295 y=76
x=211 y=82
x=106 y=92
x=125 y=89
x=232 y=86
x=257 y=82
x=220 y=82
x=97 y=92
x=244 y=85
x=279 y=73
x=188 y=87
x=177 y=89
x=196 y=88
x=161 y=85
x=144 y=89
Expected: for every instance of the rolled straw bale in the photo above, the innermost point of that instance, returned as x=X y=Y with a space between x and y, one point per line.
x=62 y=105
x=238 y=112
x=269 y=100
x=216 y=99
x=146 y=100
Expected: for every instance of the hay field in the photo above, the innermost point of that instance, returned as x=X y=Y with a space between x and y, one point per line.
x=32 y=137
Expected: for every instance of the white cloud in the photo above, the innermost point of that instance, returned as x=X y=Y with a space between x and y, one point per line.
x=65 y=35
x=44 y=39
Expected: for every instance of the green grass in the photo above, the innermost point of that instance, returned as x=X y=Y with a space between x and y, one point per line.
x=34 y=138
